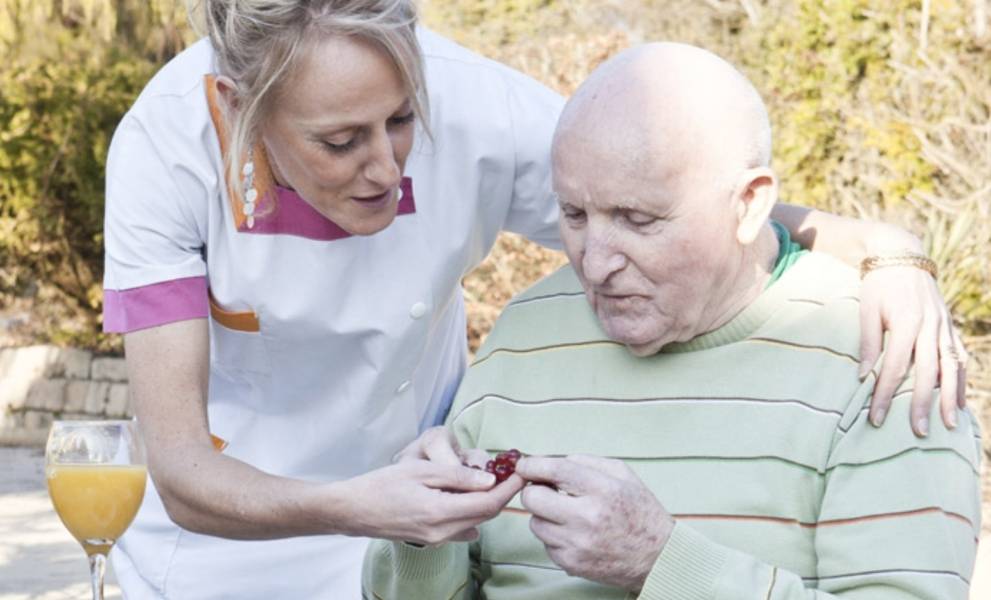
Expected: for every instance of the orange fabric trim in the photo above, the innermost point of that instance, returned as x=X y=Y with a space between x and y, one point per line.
x=264 y=182
x=238 y=321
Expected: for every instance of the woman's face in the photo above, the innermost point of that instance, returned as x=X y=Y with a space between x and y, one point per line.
x=339 y=133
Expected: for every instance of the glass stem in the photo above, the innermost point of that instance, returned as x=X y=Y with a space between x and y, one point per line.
x=97 y=567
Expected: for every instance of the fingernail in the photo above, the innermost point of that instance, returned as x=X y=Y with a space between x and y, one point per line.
x=863 y=372
x=923 y=426
x=484 y=478
x=953 y=418
x=878 y=417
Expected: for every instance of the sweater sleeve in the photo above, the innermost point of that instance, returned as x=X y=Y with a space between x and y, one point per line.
x=899 y=520
x=399 y=571
x=395 y=570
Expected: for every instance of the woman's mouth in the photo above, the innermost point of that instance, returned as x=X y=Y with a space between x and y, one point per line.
x=377 y=201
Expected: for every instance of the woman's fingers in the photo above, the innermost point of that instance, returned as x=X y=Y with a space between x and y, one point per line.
x=926 y=375
x=475 y=457
x=963 y=357
x=454 y=478
x=894 y=367
x=436 y=444
x=440 y=446
x=949 y=367
x=871 y=336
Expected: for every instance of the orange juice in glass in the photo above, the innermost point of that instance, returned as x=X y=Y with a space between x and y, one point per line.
x=96 y=477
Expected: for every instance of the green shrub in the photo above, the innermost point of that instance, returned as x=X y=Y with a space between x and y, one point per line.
x=59 y=117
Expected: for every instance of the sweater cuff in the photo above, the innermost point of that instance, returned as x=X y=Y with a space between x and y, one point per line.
x=687 y=568
x=414 y=563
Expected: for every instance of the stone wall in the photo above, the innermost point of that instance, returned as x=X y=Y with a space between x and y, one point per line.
x=41 y=383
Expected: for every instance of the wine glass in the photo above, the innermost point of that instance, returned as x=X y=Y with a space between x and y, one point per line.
x=96 y=472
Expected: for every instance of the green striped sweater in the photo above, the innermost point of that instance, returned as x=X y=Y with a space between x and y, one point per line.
x=754 y=436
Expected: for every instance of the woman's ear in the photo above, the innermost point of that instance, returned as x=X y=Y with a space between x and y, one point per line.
x=228 y=91
x=754 y=196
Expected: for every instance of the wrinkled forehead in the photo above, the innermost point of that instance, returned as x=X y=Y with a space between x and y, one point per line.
x=617 y=167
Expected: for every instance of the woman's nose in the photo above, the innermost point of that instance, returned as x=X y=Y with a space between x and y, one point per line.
x=382 y=168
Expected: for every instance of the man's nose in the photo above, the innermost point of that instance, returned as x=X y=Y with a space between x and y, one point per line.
x=602 y=258
x=382 y=167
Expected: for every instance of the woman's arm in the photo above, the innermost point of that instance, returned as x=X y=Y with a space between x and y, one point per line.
x=904 y=302
x=208 y=492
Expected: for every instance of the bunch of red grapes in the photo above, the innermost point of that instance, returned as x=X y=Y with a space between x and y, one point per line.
x=503 y=465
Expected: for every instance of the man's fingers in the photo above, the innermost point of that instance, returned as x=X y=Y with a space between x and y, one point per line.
x=547 y=503
x=606 y=466
x=871 y=337
x=564 y=474
x=548 y=532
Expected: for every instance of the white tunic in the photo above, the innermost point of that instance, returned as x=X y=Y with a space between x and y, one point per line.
x=359 y=342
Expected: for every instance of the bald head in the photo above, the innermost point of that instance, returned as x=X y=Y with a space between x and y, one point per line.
x=661 y=171
x=674 y=106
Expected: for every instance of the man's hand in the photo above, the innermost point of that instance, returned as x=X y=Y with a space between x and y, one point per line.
x=602 y=523
x=906 y=302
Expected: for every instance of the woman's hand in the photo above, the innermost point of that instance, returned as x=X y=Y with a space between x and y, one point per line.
x=428 y=496
x=906 y=302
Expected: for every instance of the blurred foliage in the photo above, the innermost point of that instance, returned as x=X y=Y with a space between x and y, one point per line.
x=73 y=70
x=881 y=110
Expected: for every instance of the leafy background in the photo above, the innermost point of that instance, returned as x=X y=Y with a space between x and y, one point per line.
x=882 y=110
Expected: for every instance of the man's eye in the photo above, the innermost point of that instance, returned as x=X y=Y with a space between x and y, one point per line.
x=640 y=219
x=573 y=214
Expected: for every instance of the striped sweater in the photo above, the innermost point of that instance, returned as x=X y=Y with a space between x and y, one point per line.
x=754 y=436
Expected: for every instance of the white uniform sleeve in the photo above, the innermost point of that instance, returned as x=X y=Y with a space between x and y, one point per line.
x=533 y=111
x=154 y=231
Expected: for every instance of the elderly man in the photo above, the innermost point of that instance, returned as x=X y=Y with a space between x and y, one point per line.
x=687 y=391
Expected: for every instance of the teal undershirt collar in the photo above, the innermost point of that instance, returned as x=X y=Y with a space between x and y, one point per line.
x=788 y=253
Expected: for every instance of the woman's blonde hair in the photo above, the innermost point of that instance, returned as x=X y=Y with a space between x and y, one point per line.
x=259 y=44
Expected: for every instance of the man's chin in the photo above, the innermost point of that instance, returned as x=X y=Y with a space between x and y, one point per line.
x=638 y=345
x=645 y=349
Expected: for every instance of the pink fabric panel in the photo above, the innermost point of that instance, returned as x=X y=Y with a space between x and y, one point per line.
x=157 y=304
x=294 y=216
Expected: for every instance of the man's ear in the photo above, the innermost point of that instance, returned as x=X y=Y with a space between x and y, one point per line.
x=228 y=92
x=754 y=196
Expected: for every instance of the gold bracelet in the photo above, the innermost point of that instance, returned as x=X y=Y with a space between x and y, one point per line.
x=919 y=261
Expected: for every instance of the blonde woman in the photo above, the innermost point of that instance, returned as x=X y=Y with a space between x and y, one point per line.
x=289 y=215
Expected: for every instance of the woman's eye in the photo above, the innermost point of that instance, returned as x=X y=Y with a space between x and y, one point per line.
x=403 y=119
x=339 y=148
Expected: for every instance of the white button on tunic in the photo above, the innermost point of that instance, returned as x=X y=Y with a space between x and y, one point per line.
x=418 y=310
x=311 y=328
